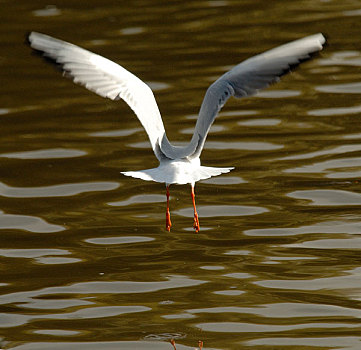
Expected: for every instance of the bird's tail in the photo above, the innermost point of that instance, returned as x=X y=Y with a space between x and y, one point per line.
x=180 y=178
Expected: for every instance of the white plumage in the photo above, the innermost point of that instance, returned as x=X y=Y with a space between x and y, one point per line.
x=177 y=165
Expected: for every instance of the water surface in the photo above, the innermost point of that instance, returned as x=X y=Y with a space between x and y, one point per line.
x=85 y=260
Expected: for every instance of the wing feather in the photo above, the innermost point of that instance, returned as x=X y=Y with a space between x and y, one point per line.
x=106 y=79
x=111 y=80
x=246 y=79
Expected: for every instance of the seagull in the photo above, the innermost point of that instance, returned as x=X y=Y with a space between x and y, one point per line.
x=177 y=164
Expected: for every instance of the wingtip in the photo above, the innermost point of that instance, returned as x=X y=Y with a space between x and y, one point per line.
x=31 y=41
x=29 y=36
x=325 y=37
x=321 y=38
x=27 y=39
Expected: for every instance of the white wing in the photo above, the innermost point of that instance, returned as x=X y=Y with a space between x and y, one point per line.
x=106 y=79
x=243 y=80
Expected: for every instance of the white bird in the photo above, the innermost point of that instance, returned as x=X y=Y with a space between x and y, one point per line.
x=177 y=165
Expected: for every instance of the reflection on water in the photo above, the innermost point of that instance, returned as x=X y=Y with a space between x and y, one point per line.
x=45 y=154
x=85 y=260
x=328 y=197
x=56 y=190
x=26 y=222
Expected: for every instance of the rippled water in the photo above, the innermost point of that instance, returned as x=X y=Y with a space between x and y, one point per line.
x=85 y=260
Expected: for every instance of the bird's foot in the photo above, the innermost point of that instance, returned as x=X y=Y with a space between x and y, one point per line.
x=196 y=222
x=168 y=223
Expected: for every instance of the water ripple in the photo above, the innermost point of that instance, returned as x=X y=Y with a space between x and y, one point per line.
x=118 y=240
x=56 y=332
x=328 y=151
x=116 y=133
x=139 y=199
x=350 y=88
x=278 y=267
x=48 y=11
x=349 y=282
x=31 y=253
x=334 y=111
x=278 y=93
x=53 y=304
x=27 y=223
x=51 y=153
x=260 y=122
x=222 y=210
x=104 y=345
x=250 y=146
x=322 y=167
x=343 y=58
x=242 y=327
x=98 y=287
x=336 y=226
x=328 y=197
x=337 y=243
x=12 y=320
x=63 y=190
x=231 y=292
x=41 y=256
x=284 y=310
x=132 y=30
x=330 y=342
x=225 y=180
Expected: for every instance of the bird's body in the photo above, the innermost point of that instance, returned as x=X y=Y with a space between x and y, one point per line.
x=177 y=165
x=178 y=171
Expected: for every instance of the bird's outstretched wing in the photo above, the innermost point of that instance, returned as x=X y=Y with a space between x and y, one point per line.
x=246 y=79
x=106 y=79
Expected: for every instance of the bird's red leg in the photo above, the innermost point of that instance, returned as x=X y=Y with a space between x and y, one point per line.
x=168 y=223
x=196 y=220
x=173 y=343
x=200 y=344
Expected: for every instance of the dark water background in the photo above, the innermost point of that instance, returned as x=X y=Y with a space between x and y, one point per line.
x=85 y=261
